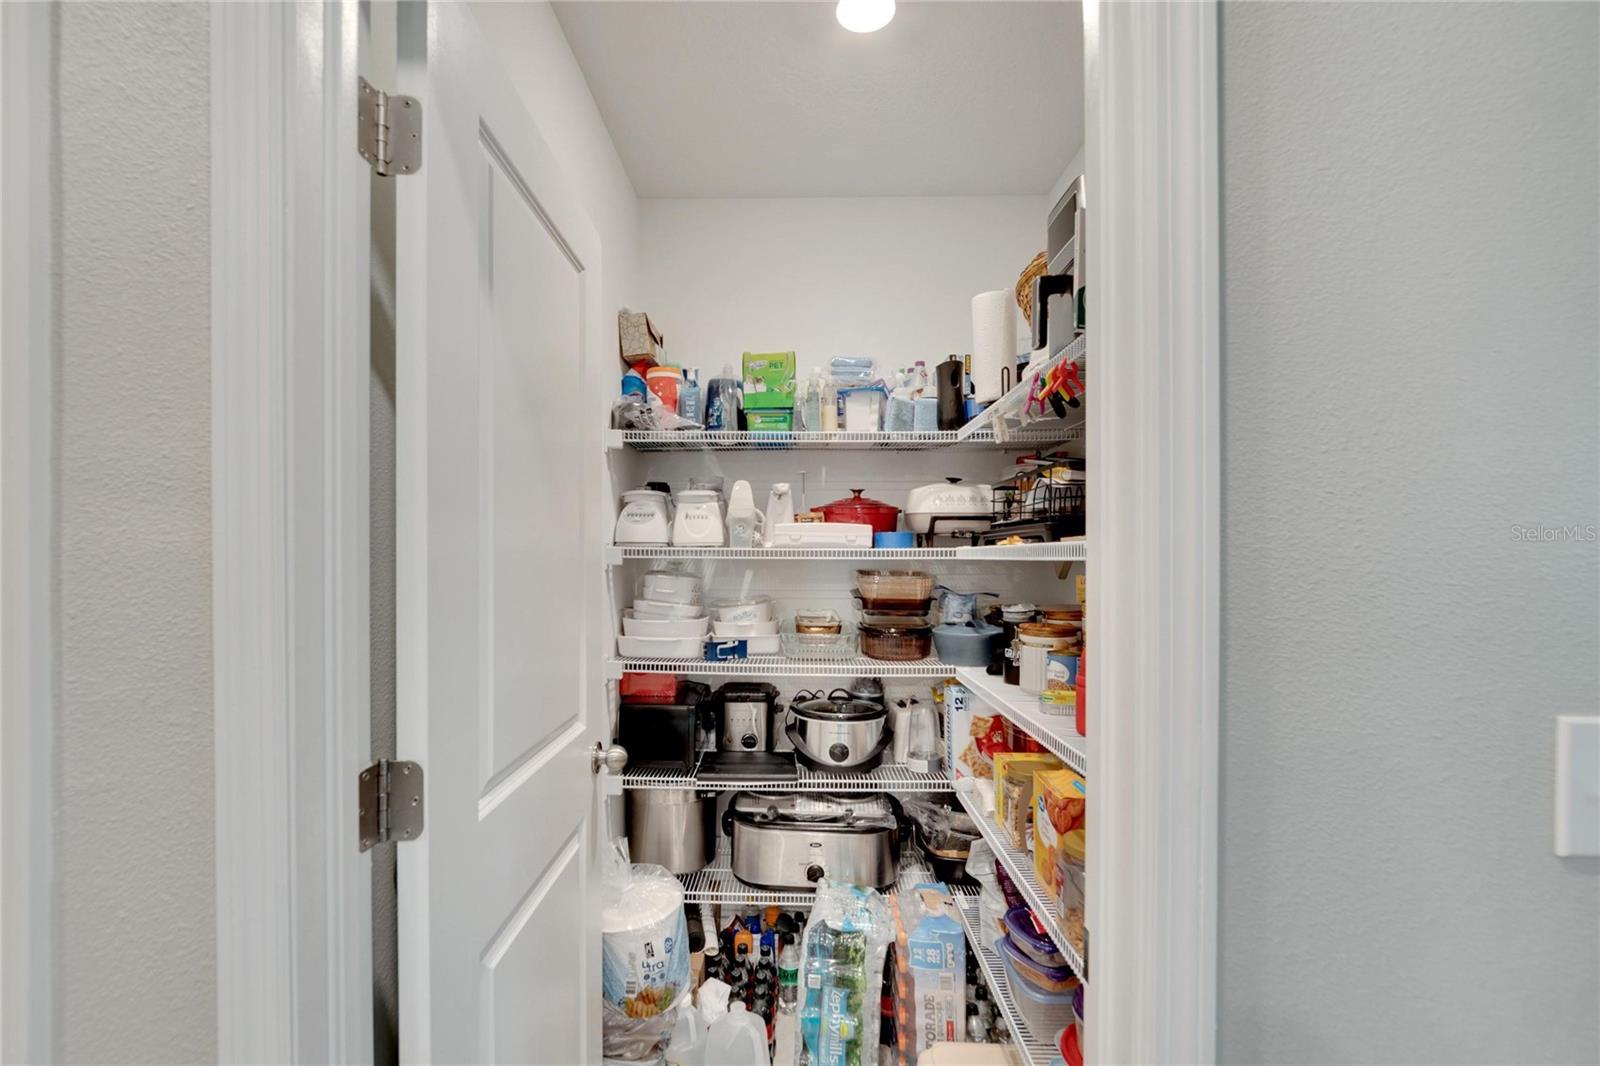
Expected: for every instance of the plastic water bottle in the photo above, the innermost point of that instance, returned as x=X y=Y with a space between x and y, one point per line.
x=788 y=977
x=689 y=400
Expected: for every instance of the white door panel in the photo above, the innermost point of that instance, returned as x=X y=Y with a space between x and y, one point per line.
x=498 y=310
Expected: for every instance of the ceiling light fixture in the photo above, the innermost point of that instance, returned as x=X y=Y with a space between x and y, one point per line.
x=864 y=16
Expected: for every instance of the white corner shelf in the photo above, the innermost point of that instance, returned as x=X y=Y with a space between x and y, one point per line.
x=1073 y=550
x=1019 y=867
x=882 y=779
x=717 y=884
x=778 y=666
x=1007 y=419
x=1046 y=432
x=1057 y=732
x=1036 y=1050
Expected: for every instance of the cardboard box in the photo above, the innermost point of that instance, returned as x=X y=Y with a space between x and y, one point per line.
x=638 y=340
x=972 y=739
x=1018 y=766
x=768 y=379
x=931 y=982
x=769 y=421
x=1060 y=799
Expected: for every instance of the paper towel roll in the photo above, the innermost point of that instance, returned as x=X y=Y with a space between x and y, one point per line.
x=994 y=342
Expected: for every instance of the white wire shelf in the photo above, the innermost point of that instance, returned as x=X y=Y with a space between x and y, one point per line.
x=882 y=779
x=1007 y=418
x=778 y=666
x=1056 y=732
x=716 y=883
x=1045 y=432
x=1036 y=1050
x=1074 y=550
x=1019 y=867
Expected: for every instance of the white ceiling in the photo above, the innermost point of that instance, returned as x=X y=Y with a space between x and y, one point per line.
x=777 y=99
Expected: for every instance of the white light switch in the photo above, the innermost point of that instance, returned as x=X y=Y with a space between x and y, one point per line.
x=1577 y=786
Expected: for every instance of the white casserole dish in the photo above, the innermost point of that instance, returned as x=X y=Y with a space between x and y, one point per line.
x=670 y=586
x=754 y=609
x=661 y=647
x=964 y=508
x=657 y=609
x=820 y=535
x=768 y=645
x=736 y=630
x=633 y=626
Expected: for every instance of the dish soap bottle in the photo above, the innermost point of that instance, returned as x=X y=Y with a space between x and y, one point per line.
x=811 y=404
x=722 y=401
x=689 y=405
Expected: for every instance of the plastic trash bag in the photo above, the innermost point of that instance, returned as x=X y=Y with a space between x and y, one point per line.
x=841 y=975
x=940 y=827
x=644 y=958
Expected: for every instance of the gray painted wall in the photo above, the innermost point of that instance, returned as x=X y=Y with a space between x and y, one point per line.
x=1409 y=368
x=135 y=952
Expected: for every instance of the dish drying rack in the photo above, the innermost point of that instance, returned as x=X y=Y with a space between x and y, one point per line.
x=1043 y=500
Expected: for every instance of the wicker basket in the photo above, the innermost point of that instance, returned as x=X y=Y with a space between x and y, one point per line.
x=1035 y=269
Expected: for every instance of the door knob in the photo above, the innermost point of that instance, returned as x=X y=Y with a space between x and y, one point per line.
x=613 y=758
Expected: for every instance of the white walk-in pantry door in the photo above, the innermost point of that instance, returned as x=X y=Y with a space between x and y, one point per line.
x=497 y=321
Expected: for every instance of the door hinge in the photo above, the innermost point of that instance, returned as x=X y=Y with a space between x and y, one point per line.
x=388 y=130
x=389 y=802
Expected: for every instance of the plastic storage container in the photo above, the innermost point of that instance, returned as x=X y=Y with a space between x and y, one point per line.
x=1020 y=969
x=1028 y=934
x=1045 y=1013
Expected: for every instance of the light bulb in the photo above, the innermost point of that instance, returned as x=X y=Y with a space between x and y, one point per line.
x=864 y=16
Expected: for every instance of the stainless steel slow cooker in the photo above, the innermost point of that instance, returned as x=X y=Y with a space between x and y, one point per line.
x=793 y=840
x=837 y=732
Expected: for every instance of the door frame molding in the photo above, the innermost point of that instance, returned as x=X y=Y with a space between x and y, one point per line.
x=289 y=423
x=1151 y=108
x=28 y=607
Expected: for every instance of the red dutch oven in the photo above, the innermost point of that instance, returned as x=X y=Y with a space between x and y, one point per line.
x=875 y=513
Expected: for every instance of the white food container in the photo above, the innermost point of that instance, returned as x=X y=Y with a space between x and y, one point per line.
x=658 y=609
x=634 y=626
x=736 y=630
x=757 y=645
x=670 y=586
x=754 y=609
x=660 y=647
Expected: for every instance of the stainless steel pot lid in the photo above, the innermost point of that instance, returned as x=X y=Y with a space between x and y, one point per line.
x=870 y=810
